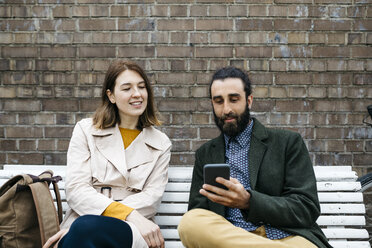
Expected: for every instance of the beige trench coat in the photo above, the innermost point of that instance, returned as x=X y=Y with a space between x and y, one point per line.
x=96 y=158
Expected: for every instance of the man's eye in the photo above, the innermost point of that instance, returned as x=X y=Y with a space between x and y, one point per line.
x=234 y=99
x=126 y=89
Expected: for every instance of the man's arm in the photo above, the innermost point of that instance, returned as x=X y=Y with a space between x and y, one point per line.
x=298 y=204
x=196 y=200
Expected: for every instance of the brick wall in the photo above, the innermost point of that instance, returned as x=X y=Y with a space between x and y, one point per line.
x=309 y=61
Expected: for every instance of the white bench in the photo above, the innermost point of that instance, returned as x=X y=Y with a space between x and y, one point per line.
x=342 y=210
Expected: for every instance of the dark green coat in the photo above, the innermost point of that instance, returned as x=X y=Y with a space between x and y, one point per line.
x=282 y=179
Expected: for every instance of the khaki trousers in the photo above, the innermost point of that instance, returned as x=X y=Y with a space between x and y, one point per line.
x=200 y=228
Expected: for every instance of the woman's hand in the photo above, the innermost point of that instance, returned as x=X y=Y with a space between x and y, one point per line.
x=54 y=240
x=148 y=229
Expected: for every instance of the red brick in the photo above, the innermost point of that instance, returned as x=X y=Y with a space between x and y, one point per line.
x=214 y=24
x=159 y=10
x=332 y=106
x=332 y=78
x=175 y=24
x=20 y=52
x=17 y=25
x=361 y=52
x=179 y=37
x=55 y=52
x=8 y=145
x=213 y=52
x=295 y=25
x=58 y=132
x=182 y=159
x=96 y=52
x=292 y=52
x=136 y=24
x=174 y=51
x=175 y=78
x=23 y=132
x=332 y=52
x=198 y=10
x=253 y=52
x=263 y=105
x=119 y=10
x=177 y=105
x=178 y=10
x=324 y=25
x=21 y=105
x=25 y=158
x=218 y=10
x=89 y=105
x=297 y=78
x=55 y=158
x=332 y=159
x=238 y=10
x=361 y=79
x=97 y=24
x=294 y=105
x=59 y=105
x=253 y=25
x=199 y=38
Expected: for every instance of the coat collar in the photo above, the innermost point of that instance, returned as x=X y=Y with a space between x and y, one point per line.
x=256 y=152
x=110 y=143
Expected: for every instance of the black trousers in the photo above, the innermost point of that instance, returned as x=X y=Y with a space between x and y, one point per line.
x=95 y=231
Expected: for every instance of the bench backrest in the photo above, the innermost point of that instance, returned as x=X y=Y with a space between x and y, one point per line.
x=342 y=210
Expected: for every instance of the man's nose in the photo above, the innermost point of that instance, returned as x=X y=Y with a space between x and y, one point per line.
x=226 y=108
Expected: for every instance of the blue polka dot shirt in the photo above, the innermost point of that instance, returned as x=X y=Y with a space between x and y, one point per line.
x=237 y=150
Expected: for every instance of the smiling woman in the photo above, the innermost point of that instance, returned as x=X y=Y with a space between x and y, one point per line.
x=117 y=166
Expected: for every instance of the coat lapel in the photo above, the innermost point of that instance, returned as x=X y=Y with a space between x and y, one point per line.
x=218 y=154
x=139 y=150
x=110 y=143
x=256 y=151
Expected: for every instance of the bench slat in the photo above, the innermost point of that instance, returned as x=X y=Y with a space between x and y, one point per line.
x=340 y=205
x=349 y=233
x=349 y=244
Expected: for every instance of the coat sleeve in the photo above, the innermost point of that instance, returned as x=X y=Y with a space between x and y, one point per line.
x=197 y=200
x=297 y=206
x=80 y=194
x=148 y=200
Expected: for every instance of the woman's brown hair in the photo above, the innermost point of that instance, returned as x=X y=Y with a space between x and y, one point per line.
x=107 y=115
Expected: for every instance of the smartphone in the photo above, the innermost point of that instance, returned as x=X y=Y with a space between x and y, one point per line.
x=212 y=171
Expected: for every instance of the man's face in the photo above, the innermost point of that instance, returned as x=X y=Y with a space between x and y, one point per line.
x=230 y=105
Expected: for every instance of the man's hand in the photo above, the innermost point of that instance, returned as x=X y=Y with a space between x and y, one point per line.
x=235 y=197
x=148 y=229
x=54 y=240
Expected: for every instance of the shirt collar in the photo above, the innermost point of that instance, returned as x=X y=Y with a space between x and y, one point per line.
x=243 y=138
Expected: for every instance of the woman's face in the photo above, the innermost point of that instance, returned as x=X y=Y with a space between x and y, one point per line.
x=130 y=95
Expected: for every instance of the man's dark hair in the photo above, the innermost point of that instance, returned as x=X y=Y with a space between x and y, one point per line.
x=232 y=72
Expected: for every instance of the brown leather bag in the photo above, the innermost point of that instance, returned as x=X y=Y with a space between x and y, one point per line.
x=28 y=215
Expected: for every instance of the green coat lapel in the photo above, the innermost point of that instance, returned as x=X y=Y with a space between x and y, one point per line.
x=218 y=154
x=257 y=151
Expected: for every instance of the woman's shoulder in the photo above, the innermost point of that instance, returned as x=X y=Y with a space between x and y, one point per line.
x=155 y=137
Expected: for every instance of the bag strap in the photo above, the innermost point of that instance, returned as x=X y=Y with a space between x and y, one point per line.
x=59 y=201
x=45 y=209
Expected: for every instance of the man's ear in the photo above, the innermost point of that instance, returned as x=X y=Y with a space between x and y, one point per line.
x=249 y=101
x=110 y=96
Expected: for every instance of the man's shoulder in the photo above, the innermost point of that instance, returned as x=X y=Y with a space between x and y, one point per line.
x=211 y=143
x=263 y=132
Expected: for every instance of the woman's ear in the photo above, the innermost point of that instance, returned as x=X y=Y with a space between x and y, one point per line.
x=110 y=96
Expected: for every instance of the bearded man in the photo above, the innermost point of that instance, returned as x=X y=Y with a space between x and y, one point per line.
x=271 y=198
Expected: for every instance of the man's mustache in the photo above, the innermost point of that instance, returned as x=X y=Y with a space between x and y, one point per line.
x=229 y=115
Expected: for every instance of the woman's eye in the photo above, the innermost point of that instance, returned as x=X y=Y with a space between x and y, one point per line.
x=126 y=89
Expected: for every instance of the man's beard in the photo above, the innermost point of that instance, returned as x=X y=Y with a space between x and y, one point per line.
x=232 y=129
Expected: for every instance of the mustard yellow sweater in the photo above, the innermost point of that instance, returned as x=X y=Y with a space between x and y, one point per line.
x=116 y=209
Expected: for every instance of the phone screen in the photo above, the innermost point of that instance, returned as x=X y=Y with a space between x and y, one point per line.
x=212 y=171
